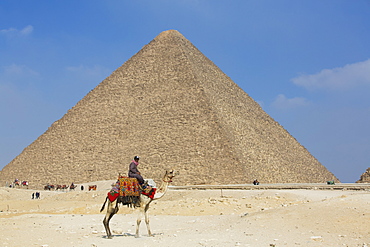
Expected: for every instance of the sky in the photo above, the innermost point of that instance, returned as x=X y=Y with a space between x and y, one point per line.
x=307 y=63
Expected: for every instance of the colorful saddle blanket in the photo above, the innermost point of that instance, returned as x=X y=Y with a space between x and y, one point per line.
x=129 y=189
x=149 y=191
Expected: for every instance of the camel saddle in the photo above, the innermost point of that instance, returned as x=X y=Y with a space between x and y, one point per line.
x=128 y=191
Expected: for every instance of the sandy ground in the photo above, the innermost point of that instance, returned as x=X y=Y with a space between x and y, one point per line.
x=189 y=218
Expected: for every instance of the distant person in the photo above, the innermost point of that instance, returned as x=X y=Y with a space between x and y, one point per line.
x=255 y=182
x=37 y=195
x=133 y=172
x=33 y=195
x=82 y=187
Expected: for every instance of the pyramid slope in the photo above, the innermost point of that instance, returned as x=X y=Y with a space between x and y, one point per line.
x=176 y=109
x=365 y=177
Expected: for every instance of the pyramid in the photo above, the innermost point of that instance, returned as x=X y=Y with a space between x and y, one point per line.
x=365 y=177
x=174 y=108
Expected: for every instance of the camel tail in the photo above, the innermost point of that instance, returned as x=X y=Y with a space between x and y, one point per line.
x=102 y=208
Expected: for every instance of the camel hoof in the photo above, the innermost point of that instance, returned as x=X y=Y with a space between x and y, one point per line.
x=109 y=237
x=136 y=236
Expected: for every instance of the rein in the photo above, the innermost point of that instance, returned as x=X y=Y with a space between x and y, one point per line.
x=169 y=181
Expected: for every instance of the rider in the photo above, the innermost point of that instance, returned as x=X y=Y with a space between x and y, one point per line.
x=133 y=172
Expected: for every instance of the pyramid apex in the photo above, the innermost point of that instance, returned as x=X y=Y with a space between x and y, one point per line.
x=170 y=34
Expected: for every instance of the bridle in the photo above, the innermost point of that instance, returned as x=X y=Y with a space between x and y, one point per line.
x=169 y=181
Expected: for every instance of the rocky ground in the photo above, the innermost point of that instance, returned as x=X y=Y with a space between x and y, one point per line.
x=189 y=218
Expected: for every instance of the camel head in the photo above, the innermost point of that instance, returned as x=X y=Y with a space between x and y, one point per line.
x=169 y=175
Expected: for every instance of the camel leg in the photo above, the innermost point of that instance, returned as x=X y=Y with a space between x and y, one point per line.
x=147 y=220
x=138 y=221
x=112 y=209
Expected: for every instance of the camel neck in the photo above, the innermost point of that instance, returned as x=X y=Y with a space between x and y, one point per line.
x=162 y=188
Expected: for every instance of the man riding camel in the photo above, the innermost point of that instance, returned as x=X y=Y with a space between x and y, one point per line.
x=133 y=172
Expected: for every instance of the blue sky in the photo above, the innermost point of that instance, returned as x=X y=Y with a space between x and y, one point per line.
x=306 y=62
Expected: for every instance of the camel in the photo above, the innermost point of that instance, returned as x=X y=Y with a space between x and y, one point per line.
x=25 y=183
x=144 y=202
x=92 y=187
x=49 y=187
x=61 y=187
x=72 y=186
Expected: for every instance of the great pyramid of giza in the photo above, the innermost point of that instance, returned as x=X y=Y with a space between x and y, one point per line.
x=174 y=108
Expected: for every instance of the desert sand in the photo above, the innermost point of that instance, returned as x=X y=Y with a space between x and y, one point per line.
x=289 y=217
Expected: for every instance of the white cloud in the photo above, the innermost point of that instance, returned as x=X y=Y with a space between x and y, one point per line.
x=15 y=32
x=18 y=70
x=261 y=103
x=84 y=69
x=282 y=102
x=13 y=75
x=27 y=30
x=89 y=73
x=342 y=78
